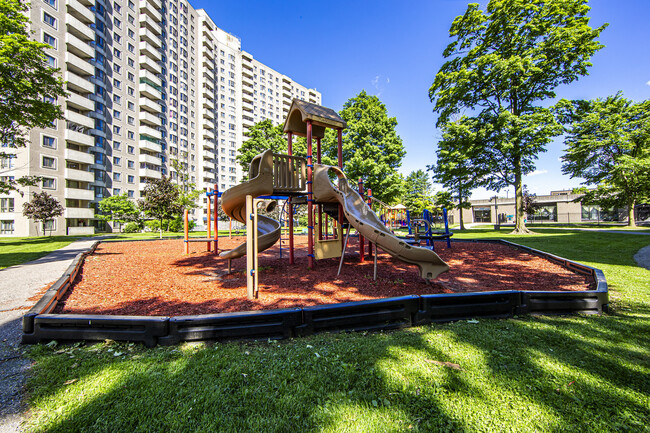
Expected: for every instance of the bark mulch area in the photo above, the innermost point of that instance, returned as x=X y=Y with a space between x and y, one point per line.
x=156 y=278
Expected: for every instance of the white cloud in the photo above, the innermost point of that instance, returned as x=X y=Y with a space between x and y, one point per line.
x=536 y=172
x=379 y=83
x=647 y=83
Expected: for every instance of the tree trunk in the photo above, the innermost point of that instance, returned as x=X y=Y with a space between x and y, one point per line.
x=460 y=208
x=630 y=213
x=161 y=223
x=520 y=225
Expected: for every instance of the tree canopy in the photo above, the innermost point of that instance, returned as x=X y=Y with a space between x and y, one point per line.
x=502 y=65
x=261 y=136
x=372 y=150
x=42 y=208
x=161 y=200
x=119 y=208
x=27 y=85
x=416 y=193
x=459 y=166
x=608 y=145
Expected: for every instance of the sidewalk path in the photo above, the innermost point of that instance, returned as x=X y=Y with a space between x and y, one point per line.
x=17 y=284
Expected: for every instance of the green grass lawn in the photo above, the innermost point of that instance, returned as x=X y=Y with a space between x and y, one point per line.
x=14 y=251
x=526 y=374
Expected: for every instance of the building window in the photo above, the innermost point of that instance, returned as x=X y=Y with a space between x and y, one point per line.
x=6 y=204
x=49 y=162
x=117 y=161
x=49 y=225
x=116 y=145
x=116 y=191
x=51 y=61
x=131 y=193
x=49 y=39
x=49 y=183
x=131 y=179
x=7 y=162
x=51 y=3
x=544 y=213
x=116 y=114
x=116 y=130
x=131 y=150
x=130 y=164
x=117 y=177
x=7 y=227
x=482 y=215
x=49 y=19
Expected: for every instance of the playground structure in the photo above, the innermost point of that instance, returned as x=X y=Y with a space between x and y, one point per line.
x=294 y=178
x=209 y=240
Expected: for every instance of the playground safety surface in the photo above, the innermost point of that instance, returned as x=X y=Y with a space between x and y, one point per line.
x=156 y=279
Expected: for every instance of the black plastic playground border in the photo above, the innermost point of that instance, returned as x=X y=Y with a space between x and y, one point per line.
x=378 y=314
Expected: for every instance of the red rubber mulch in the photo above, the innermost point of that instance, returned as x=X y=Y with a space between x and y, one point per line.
x=156 y=278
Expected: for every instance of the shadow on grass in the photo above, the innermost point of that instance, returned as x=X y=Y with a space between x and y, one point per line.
x=534 y=374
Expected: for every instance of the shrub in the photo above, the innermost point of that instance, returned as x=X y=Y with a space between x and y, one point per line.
x=131 y=227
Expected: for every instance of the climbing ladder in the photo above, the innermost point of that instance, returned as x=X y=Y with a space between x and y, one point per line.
x=284 y=227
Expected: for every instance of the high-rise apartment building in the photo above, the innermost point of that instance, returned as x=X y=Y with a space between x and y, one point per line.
x=154 y=86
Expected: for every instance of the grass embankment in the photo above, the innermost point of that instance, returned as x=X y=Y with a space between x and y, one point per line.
x=579 y=373
x=14 y=251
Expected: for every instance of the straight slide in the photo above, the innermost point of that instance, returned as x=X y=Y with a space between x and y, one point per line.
x=233 y=203
x=368 y=224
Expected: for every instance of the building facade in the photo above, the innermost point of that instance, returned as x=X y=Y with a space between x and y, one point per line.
x=561 y=207
x=155 y=88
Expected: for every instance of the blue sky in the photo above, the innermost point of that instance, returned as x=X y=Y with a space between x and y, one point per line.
x=394 y=49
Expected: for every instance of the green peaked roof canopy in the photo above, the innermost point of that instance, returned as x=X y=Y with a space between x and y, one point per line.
x=321 y=118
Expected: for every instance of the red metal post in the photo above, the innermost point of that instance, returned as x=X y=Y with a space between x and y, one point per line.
x=320 y=206
x=339 y=157
x=209 y=224
x=310 y=199
x=361 y=239
x=370 y=205
x=290 y=212
x=216 y=218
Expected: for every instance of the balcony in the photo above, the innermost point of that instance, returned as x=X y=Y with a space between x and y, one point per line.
x=149 y=119
x=79 y=119
x=209 y=114
x=79 y=212
x=149 y=146
x=79 y=102
x=149 y=105
x=208 y=75
x=81 y=231
x=207 y=103
x=149 y=50
x=148 y=11
x=149 y=36
x=149 y=91
x=147 y=172
x=208 y=134
x=208 y=54
x=151 y=25
x=150 y=132
x=147 y=64
x=80 y=11
x=79 y=29
x=79 y=47
x=79 y=175
x=150 y=159
x=78 y=138
x=78 y=65
x=79 y=194
x=76 y=156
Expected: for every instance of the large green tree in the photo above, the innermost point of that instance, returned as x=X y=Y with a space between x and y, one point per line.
x=118 y=208
x=161 y=200
x=372 y=150
x=416 y=193
x=27 y=84
x=261 y=136
x=459 y=164
x=503 y=64
x=608 y=145
x=42 y=208
x=188 y=195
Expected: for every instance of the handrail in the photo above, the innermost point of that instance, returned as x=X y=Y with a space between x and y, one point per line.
x=289 y=174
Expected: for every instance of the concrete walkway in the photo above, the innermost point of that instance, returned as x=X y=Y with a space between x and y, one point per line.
x=17 y=285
